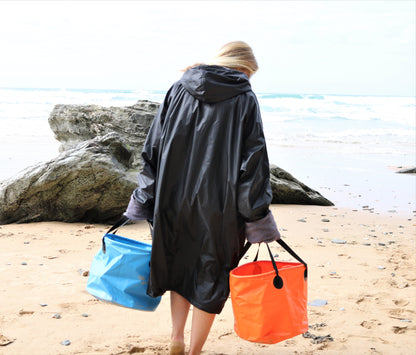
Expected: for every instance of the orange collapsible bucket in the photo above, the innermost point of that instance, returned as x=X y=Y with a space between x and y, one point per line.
x=269 y=298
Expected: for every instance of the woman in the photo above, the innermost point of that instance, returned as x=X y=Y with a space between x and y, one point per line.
x=205 y=187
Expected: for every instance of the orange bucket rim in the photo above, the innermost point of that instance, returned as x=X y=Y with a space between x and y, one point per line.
x=272 y=271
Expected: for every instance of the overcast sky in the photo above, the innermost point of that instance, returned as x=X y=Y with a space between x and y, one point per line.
x=327 y=47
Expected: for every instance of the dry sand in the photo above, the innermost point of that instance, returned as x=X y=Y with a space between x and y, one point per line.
x=369 y=284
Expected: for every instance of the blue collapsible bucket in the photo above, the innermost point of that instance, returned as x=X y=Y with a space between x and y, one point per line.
x=119 y=273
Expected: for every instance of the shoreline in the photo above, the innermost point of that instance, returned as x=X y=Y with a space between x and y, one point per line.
x=367 y=281
x=342 y=148
x=349 y=181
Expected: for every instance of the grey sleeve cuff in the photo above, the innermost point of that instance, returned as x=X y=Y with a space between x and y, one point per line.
x=137 y=212
x=262 y=230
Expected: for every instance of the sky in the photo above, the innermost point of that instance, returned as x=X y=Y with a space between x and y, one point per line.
x=321 y=47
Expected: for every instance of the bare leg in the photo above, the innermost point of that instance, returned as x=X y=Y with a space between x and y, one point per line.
x=201 y=325
x=179 y=308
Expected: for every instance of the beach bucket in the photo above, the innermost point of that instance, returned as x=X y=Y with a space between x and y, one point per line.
x=269 y=299
x=119 y=272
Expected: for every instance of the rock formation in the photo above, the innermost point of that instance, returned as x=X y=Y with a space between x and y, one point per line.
x=288 y=190
x=407 y=171
x=93 y=177
x=73 y=124
x=89 y=182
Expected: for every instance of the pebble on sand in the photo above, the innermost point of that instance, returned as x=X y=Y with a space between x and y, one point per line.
x=83 y=272
x=66 y=342
x=318 y=303
x=338 y=241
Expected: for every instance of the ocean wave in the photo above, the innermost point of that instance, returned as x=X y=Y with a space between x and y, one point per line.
x=398 y=110
x=303 y=112
x=290 y=96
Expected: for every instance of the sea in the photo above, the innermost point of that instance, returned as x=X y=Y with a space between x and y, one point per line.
x=349 y=148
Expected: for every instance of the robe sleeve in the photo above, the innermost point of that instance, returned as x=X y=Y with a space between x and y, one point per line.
x=254 y=190
x=141 y=205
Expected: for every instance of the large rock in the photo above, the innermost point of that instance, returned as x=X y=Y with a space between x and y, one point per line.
x=288 y=190
x=93 y=177
x=89 y=182
x=407 y=171
x=73 y=124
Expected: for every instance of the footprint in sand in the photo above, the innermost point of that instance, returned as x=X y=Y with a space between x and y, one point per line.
x=5 y=340
x=364 y=298
x=409 y=277
x=23 y=312
x=402 y=314
x=136 y=350
x=399 y=330
x=396 y=312
x=370 y=324
x=401 y=303
x=69 y=307
x=225 y=334
x=161 y=349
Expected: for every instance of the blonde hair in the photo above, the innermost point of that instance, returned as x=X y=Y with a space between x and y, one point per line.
x=236 y=55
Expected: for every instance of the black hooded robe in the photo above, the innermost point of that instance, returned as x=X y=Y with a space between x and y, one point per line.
x=205 y=175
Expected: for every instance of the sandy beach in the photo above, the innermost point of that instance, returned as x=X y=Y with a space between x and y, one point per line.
x=361 y=263
x=335 y=90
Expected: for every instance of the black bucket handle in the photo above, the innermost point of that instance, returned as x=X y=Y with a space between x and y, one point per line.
x=121 y=222
x=277 y=281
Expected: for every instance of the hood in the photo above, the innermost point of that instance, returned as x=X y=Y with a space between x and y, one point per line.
x=213 y=83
